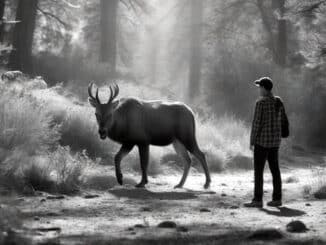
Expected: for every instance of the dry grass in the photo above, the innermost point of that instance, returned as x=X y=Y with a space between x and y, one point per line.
x=79 y=131
x=30 y=155
x=320 y=185
x=224 y=140
x=59 y=171
x=24 y=124
x=37 y=176
x=316 y=186
x=78 y=127
x=26 y=131
x=68 y=169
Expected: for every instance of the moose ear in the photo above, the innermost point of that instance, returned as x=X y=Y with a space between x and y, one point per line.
x=92 y=102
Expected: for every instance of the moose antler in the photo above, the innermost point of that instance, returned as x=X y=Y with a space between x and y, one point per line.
x=90 y=87
x=114 y=91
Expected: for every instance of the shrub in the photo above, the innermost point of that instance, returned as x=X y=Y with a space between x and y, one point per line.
x=78 y=127
x=30 y=156
x=79 y=131
x=26 y=130
x=317 y=186
x=37 y=176
x=59 y=171
x=321 y=192
x=222 y=139
x=320 y=185
x=68 y=169
x=306 y=190
x=24 y=124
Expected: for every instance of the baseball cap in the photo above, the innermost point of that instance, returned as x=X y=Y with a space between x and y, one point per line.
x=264 y=82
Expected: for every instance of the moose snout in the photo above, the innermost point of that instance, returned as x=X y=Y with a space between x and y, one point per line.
x=102 y=133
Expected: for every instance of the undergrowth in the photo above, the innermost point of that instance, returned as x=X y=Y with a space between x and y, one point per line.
x=48 y=138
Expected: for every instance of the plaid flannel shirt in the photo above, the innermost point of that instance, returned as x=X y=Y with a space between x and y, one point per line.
x=266 y=125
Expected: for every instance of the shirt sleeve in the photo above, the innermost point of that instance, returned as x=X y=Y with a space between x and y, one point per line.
x=284 y=117
x=256 y=123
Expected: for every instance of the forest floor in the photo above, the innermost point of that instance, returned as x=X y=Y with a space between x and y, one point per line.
x=114 y=214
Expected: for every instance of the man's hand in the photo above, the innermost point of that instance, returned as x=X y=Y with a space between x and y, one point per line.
x=252 y=147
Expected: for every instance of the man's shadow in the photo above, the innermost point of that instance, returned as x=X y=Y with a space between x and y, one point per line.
x=284 y=212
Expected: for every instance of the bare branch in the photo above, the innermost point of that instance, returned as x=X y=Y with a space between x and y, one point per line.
x=48 y=14
x=312 y=7
x=69 y=4
x=125 y=4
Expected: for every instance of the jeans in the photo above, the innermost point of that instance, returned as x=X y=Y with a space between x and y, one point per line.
x=261 y=154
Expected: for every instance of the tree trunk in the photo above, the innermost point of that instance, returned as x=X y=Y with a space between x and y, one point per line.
x=277 y=40
x=109 y=9
x=282 y=34
x=2 y=12
x=21 y=56
x=196 y=15
x=268 y=28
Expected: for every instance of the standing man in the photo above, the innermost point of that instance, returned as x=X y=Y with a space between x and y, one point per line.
x=269 y=125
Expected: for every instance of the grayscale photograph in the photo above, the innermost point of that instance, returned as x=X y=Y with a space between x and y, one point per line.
x=151 y=122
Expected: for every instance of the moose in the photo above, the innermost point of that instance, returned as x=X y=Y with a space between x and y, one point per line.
x=134 y=122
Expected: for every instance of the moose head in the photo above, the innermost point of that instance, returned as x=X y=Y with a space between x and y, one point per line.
x=103 y=112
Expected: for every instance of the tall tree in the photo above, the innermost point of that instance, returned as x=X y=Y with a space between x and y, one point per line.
x=21 y=56
x=196 y=17
x=109 y=10
x=277 y=37
x=281 y=33
x=2 y=12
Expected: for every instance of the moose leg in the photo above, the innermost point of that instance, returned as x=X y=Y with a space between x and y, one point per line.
x=144 y=157
x=124 y=150
x=182 y=152
x=202 y=159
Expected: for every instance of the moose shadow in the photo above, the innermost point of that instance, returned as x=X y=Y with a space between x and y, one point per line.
x=104 y=182
x=146 y=194
x=284 y=212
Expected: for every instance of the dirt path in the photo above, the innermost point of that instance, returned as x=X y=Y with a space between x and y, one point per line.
x=124 y=215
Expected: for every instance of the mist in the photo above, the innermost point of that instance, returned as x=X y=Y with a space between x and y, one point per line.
x=201 y=55
x=207 y=55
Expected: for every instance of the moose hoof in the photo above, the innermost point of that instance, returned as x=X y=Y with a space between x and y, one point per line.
x=140 y=185
x=206 y=186
x=119 y=179
x=179 y=186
